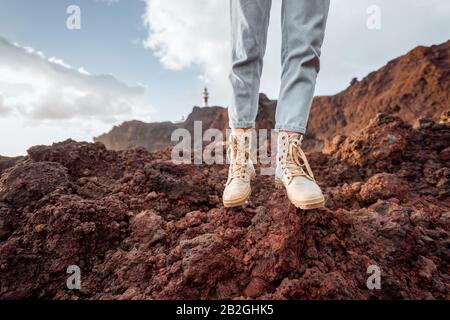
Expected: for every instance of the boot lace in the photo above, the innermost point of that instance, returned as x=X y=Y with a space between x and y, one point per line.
x=238 y=157
x=294 y=163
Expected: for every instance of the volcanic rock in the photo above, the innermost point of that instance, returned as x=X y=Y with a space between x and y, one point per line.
x=142 y=227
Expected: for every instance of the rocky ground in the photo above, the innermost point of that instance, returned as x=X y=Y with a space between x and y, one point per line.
x=141 y=227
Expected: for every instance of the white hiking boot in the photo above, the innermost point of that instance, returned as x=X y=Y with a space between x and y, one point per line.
x=294 y=173
x=241 y=171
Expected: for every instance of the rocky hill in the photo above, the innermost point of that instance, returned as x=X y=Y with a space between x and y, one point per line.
x=156 y=135
x=142 y=227
x=6 y=162
x=412 y=86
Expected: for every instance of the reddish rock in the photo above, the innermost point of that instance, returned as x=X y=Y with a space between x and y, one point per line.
x=445 y=154
x=8 y=162
x=30 y=181
x=256 y=288
x=383 y=186
x=426 y=267
x=142 y=227
x=148 y=227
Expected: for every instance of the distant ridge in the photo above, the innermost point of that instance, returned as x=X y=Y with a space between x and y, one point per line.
x=413 y=86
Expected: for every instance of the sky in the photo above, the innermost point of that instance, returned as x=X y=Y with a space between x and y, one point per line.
x=151 y=59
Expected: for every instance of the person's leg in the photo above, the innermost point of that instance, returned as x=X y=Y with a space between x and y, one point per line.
x=249 y=24
x=303 y=28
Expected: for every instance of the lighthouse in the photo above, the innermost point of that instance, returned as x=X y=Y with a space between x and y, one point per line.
x=205 y=97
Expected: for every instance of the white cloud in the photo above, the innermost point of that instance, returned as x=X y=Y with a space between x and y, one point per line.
x=38 y=89
x=3 y=109
x=352 y=50
x=58 y=61
x=191 y=33
x=83 y=71
x=43 y=100
x=195 y=33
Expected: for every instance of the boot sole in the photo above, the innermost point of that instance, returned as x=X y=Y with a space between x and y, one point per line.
x=237 y=202
x=304 y=205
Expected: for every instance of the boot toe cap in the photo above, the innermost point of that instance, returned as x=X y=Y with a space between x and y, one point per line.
x=236 y=191
x=305 y=190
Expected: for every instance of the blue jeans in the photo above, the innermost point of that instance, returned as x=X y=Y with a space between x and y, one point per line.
x=303 y=28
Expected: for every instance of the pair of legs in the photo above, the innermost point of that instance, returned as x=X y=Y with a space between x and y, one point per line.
x=303 y=27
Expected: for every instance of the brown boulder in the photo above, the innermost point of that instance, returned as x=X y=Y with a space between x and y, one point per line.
x=30 y=181
x=383 y=186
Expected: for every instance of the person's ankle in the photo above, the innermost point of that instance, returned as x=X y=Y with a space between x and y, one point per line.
x=240 y=131
x=291 y=133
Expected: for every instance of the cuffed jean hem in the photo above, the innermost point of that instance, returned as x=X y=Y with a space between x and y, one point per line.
x=280 y=127
x=242 y=124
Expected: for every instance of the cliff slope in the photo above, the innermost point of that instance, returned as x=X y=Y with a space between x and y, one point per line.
x=413 y=86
